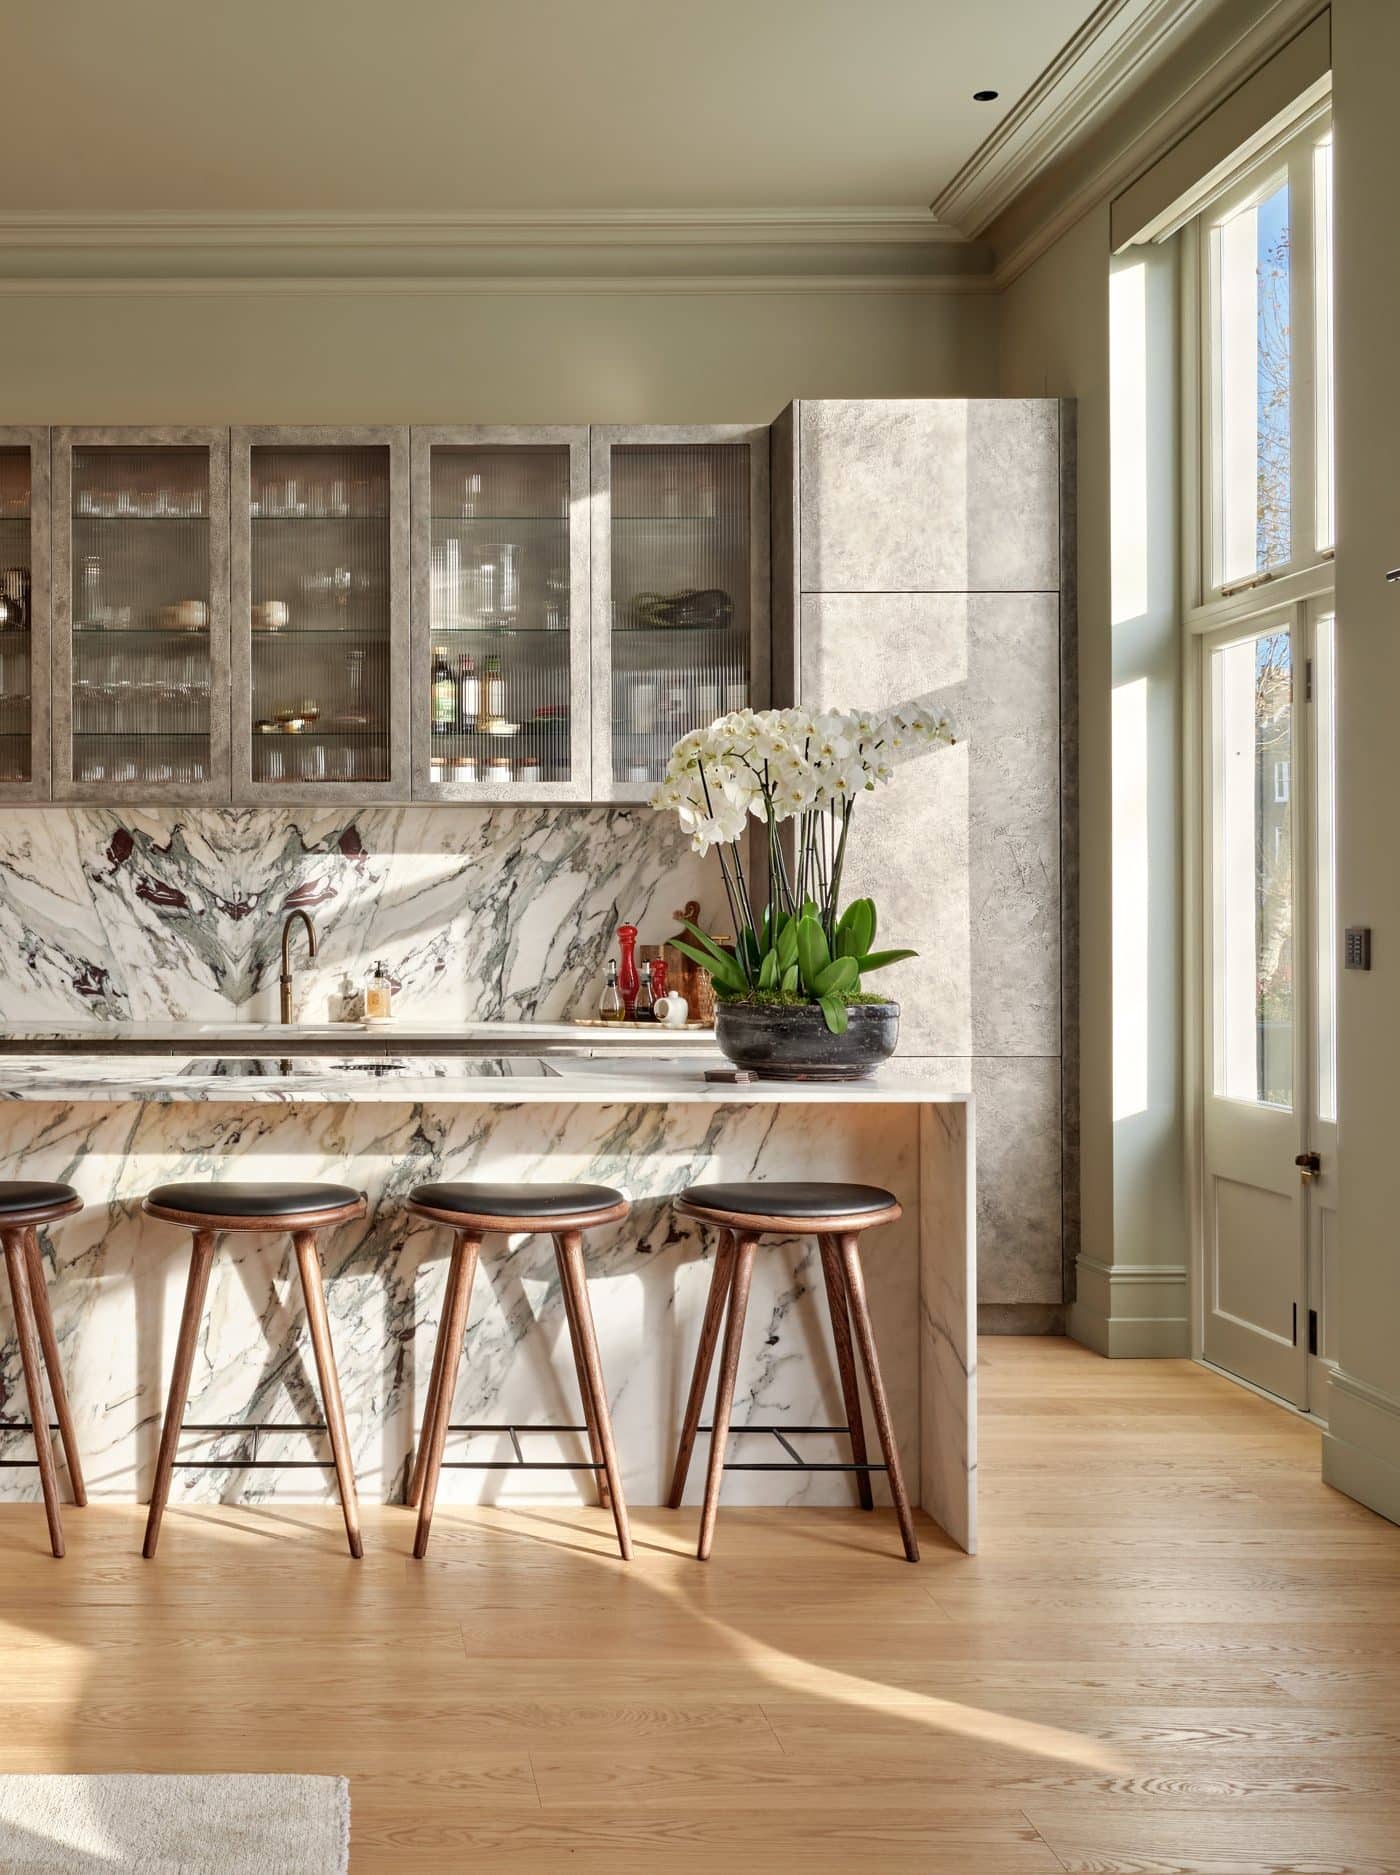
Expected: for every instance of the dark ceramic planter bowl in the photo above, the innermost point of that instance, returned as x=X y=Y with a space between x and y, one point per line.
x=791 y=1042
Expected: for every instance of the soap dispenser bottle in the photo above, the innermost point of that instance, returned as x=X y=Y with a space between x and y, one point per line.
x=379 y=993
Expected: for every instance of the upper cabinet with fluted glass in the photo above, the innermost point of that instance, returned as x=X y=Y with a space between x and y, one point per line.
x=680 y=592
x=24 y=615
x=320 y=614
x=500 y=610
x=140 y=588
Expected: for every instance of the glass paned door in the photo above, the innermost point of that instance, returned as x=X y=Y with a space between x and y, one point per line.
x=24 y=615
x=141 y=583
x=320 y=614
x=680 y=615
x=1256 y=971
x=500 y=660
x=1252 y=695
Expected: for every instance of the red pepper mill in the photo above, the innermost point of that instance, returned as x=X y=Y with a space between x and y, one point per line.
x=628 y=982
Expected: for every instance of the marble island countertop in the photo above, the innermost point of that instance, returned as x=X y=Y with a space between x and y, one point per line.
x=506 y=1080
x=400 y=1035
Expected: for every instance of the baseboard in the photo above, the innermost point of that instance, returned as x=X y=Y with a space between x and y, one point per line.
x=1361 y=1446
x=1020 y=1318
x=1131 y=1312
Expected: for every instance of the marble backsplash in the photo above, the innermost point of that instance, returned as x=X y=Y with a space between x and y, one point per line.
x=132 y=914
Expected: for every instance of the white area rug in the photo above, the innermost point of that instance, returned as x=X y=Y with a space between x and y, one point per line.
x=117 y=1825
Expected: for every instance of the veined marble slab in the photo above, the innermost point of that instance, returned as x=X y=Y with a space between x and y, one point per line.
x=116 y=1277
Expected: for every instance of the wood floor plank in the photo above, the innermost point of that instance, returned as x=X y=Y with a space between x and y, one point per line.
x=1177 y=1651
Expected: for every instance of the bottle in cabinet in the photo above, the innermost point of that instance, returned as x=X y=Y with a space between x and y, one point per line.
x=444 y=692
x=493 y=690
x=468 y=692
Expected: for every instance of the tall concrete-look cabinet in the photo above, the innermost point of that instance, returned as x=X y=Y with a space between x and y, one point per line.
x=919 y=552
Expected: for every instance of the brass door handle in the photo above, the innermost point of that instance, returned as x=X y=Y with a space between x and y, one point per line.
x=1309 y=1165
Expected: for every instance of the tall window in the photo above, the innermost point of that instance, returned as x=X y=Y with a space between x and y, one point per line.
x=1266 y=472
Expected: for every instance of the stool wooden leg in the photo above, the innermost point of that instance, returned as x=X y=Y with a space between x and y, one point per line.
x=309 y=1264
x=48 y=1341
x=865 y=1336
x=724 y=1393
x=570 y=1249
x=846 y=1362
x=17 y=1268
x=450 y=1331
x=595 y=1444
x=420 y=1455
x=201 y=1256
x=720 y=1277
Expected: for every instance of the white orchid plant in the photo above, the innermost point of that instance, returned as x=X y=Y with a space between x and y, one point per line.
x=772 y=766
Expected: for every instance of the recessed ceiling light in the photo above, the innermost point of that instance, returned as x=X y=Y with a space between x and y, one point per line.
x=984 y=97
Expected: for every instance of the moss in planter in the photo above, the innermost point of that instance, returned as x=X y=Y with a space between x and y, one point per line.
x=793 y=999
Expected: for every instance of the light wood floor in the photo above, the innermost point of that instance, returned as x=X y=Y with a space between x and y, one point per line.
x=1178 y=1651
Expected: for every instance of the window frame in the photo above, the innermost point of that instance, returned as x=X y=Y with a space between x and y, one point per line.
x=1215 y=601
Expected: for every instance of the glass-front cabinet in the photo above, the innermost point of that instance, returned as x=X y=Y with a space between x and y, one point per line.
x=140 y=589
x=500 y=614
x=24 y=615
x=680 y=592
x=320 y=614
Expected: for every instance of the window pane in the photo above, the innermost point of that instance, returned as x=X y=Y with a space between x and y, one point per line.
x=1325 y=702
x=1322 y=271
x=1252 y=692
x=1254 y=387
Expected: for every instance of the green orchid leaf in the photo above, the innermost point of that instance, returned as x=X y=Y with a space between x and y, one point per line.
x=790 y=978
x=708 y=944
x=855 y=932
x=722 y=967
x=768 y=971
x=787 y=943
x=813 y=954
x=834 y=1010
x=876 y=960
x=839 y=978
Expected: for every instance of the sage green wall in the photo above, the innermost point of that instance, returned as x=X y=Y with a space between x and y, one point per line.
x=1361 y=1453
x=554 y=354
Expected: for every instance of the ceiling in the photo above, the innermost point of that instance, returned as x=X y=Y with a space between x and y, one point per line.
x=482 y=106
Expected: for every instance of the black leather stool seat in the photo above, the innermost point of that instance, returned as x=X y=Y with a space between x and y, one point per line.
x=21 y=1197
x=806 y=1198
x=535 y=1201
x=261 y=1200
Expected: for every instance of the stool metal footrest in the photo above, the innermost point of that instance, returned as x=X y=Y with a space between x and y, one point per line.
x=23 y=1425
x=519 y=1462
x=794 y=1461
x=254 y=1463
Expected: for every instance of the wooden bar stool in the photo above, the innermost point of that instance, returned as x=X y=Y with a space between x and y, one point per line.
x=300 y=1210
x=25 y=1204
x=565 y=1211
x=835 y=1215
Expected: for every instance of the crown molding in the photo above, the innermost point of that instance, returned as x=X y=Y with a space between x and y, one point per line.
x=1154 y=131
x=1111 y=53
x=791 y=285
x=875 y=242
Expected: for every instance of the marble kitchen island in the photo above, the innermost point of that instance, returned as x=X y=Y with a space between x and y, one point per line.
x=114 y=1127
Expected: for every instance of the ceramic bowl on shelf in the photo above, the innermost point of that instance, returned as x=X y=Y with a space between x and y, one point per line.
x=272 y=615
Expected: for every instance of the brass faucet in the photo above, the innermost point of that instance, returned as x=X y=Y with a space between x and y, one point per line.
x=284 y=981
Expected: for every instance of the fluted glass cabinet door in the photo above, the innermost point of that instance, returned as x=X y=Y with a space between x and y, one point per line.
x=680 y=592
x=500 y=614
x=140 y=706
x=320 y=614
x=24 y=615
